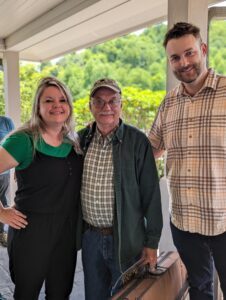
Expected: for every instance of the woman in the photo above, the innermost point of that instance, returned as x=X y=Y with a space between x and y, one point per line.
x=43 y=223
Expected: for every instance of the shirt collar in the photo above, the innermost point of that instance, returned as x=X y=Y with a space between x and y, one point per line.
x=210 y=82
x=106 y=139
x=117 y=135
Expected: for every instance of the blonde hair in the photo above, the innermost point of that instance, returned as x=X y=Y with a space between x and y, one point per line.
x=35 y=126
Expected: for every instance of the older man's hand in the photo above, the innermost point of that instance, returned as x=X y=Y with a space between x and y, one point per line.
x=150 y=257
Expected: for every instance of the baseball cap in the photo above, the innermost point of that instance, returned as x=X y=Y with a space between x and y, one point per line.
x=105 y=82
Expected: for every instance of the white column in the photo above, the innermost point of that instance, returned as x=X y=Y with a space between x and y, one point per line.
x=12 y=86
x=177 y=11
x=198 y=15
x=12 y=99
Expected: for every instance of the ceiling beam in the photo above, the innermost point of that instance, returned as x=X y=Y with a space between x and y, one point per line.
x=104 y=21
x=48 y=20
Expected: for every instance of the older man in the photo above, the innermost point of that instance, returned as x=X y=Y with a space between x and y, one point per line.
x=120 y=194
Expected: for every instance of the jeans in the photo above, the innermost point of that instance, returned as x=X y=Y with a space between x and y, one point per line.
x=200 y=253
x=101 y=270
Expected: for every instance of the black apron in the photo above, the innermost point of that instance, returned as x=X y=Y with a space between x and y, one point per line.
x=48 y=194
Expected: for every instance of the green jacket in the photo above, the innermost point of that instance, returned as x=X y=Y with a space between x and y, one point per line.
x=138 y=214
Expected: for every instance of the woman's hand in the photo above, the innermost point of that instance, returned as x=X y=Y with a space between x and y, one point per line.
x=13 y=217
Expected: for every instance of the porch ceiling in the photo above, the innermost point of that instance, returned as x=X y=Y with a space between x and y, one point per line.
x=44 y=29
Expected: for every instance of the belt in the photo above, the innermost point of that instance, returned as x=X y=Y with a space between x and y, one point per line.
x=102 y=230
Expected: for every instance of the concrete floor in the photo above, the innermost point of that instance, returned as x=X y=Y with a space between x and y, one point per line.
x=6 y=286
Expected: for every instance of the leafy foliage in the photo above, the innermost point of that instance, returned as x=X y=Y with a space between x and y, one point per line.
x=217 y=43
x=140 y=106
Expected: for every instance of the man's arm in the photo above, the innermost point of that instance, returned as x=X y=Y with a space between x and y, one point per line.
x=151 y=201
x=150 y=255
x=157 y=153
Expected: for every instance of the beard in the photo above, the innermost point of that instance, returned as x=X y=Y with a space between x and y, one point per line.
x=184 y=75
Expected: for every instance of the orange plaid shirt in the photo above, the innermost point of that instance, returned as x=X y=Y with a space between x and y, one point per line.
x=193 y=132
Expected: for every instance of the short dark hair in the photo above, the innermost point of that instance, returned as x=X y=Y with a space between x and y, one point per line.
x=180 y=29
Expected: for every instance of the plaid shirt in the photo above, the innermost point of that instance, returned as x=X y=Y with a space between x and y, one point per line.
x=97 y=193
x=193 y=131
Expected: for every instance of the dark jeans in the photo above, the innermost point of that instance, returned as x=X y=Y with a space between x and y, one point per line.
x=101 y=270
x=4 y=184
x=199 y=253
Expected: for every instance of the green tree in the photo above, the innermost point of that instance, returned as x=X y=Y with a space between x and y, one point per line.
x=29 y=77
x=73 y=76
x=82 y=113
x=217 y=46
x=140 y=106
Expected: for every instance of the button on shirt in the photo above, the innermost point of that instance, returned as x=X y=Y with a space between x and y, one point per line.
x=193 y=131
x=97 y=193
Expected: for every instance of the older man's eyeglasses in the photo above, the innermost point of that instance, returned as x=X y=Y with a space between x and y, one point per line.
x=100 y=103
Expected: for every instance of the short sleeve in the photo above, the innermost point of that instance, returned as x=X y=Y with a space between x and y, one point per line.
x=156 y=135
x=19 y=146
x=11 y=125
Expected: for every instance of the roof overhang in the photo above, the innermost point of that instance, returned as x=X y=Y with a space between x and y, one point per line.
x=49 y=29
x=73 y=25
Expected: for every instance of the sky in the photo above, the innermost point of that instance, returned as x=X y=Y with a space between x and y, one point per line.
x=220 y=4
